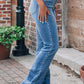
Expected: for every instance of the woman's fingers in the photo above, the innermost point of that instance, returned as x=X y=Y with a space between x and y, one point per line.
x=38 y=16
x=45 y=18
x=49 y=12
x=42 y=19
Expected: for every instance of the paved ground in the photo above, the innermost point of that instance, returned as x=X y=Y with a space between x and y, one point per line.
x=11 y=72
x=15 y=69
x=59 y=74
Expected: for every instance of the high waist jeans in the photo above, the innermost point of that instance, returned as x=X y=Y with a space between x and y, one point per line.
x=46 y=47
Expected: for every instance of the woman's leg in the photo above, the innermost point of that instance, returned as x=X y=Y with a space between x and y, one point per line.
x=39 y=45
x=49 y=36
x=39 y=42
x=47 y=78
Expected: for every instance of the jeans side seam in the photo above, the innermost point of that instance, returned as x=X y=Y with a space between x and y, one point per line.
x=48 y=52
x=51 y=41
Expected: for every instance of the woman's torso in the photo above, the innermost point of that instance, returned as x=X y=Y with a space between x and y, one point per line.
x=33 y=4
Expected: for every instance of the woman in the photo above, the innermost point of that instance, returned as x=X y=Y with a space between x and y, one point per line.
x=43 y=13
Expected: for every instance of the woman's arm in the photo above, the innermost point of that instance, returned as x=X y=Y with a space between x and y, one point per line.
x=43 y=10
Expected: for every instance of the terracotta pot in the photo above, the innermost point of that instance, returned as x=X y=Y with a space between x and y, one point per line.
x=3 y=52
x=82 y=72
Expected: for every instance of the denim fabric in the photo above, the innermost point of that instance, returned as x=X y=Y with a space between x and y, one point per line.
x=47 y=45
x=33 y=5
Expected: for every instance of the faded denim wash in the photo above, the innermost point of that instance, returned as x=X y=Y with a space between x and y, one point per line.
x=46 y=47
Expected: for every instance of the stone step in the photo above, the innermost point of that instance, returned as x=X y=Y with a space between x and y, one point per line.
x=70 y=57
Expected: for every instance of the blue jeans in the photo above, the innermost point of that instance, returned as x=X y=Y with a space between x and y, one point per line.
x=46 y=47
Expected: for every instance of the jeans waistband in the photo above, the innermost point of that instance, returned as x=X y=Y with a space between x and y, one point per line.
x=49 y=4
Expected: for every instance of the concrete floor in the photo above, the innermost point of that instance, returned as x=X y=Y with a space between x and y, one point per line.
x=59 y=74
x=70 y=57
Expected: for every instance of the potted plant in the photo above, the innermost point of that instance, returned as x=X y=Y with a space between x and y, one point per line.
x=82 y=73
x=7 y=36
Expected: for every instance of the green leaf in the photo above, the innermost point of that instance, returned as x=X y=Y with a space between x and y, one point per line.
x=11 y=33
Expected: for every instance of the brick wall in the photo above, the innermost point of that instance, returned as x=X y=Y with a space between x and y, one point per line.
x=5 y=12
x=59 y=20
x=13 y=7
x=30 y=26
x=76 y=24
x=64 y=23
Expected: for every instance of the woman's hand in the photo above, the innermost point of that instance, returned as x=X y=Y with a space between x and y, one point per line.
x=43 y=10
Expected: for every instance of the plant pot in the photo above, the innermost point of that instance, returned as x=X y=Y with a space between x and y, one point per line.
x=82 y=72
x=4 y=53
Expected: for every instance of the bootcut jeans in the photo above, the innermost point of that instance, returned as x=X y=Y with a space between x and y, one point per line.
x=47 y=45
